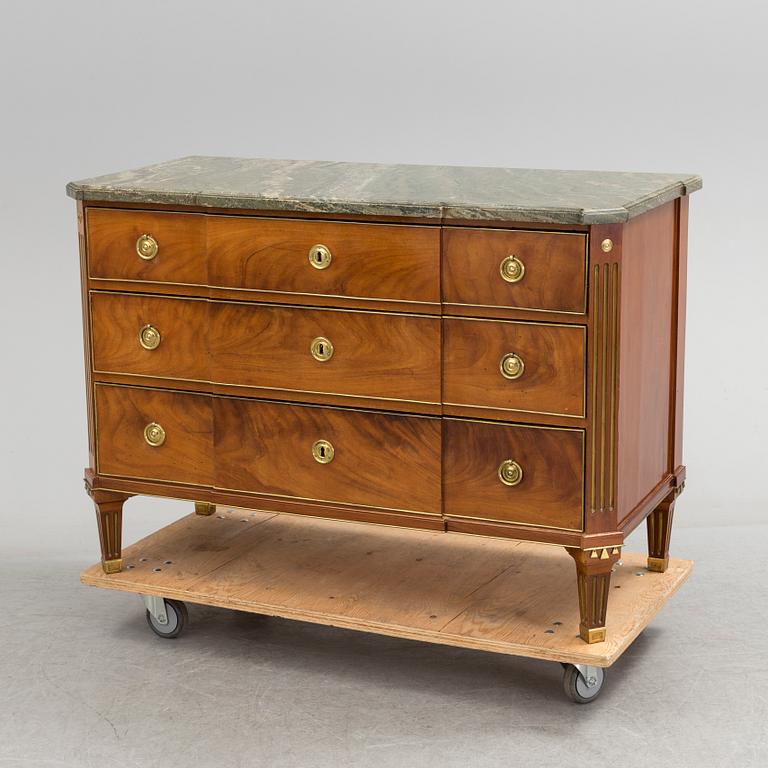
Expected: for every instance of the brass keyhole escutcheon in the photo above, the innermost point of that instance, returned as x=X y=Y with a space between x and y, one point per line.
x=149 y=337
x=510 y=472
x=511 y=366
x=512 y=269
x=320 y=256
x=322 y=452
x=147 y=247
x=321 y=349
x=154 y=434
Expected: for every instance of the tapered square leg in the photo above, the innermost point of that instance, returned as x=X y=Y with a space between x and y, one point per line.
x=593 y=574
x=109 y=515
x=659 y=525
x=204 y=508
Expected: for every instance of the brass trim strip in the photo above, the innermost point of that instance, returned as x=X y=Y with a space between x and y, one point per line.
x=255 y=386
x=263 y=304
x=613 y=392
x=461 y=318
x=209 y=286
x=516 y=410
x=497 y=521
x=291 y=403
x=520 y=309
x=605 y=309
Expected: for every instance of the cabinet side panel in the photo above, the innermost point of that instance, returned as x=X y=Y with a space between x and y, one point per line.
x=645 y=360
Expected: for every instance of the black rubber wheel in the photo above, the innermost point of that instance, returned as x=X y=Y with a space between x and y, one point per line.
x=178 y=618
x=579 y=690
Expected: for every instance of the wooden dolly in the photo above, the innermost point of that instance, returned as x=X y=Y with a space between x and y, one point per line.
x=472 y=592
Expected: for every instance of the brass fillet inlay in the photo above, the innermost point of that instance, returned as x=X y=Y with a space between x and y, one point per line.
x=605 y=317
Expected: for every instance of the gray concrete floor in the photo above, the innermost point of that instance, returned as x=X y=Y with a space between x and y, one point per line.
x=83 y=682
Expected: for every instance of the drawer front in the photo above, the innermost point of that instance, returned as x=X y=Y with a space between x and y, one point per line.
x=377 y=460
x=114 y=244
x=545 y=270
x=525 y=367
x=180 y=451
x=375 y=261
x=389 y=357
x=550 y=491
x=149 y=336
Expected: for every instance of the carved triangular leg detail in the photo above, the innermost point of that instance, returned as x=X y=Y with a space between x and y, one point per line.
x=593 y=575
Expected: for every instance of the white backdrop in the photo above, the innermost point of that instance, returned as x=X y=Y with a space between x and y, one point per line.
x=94 y=87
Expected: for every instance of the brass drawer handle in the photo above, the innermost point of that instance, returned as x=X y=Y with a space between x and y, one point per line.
x=149 y=337
x=511 y=366
x=321 y=349
x=512 y=269
x=147 y=247
x=322 y=452
x=510 y=472
x=320 y=256
x=154 y=434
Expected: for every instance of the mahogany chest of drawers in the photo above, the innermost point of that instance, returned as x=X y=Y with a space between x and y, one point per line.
x=487 y=351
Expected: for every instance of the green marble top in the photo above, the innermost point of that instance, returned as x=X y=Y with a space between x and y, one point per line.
x=424 y=191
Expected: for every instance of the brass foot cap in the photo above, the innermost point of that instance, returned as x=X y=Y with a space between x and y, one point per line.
x=592 y=634
x=658 y=564
x=204 y=508
x=112 y=566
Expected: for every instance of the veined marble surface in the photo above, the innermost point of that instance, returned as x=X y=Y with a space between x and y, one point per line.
x=425 y=191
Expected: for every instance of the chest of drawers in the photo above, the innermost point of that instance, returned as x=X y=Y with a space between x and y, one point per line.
x=486 y=351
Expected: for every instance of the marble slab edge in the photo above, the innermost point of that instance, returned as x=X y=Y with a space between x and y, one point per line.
x=438 y=211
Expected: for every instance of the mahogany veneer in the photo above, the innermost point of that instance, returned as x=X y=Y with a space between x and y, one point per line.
x=205 y=381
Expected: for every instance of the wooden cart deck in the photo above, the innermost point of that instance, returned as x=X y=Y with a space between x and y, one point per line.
x=489 y=594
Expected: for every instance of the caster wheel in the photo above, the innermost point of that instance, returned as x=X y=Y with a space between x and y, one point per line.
x=579 y=690
x=177 y=620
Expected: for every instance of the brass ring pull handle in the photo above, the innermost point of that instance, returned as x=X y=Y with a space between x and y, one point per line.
x=510 y=472
x=149 y=337
x=321 y=349
x=320 y=256
x=512 y=269
x=147 y=247
x=154 y=434
x=511 y=366
x=322 y=452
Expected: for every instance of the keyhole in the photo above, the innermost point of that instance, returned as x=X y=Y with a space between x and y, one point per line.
x=322 y=451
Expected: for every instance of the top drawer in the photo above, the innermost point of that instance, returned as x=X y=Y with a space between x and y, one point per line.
x=274 y=258
x=147 y=246
x=543 y=271
x=285 y=256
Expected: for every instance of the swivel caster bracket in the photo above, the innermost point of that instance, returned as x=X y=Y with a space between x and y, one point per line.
x=156 y=607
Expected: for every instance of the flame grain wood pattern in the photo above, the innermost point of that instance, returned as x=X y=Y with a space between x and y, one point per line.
x=375 y=261
x=553 y=377
x=112 y=237
x=267 y=448
x=550 y=493
x=554 y=278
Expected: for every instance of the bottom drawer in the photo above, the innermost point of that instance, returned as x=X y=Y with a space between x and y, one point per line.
x=514 y=474
x=328 y=454
x=154 y=435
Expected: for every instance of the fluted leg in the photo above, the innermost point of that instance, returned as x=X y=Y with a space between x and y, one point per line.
x=659 y=524
x=593 y=574
x=109 y=514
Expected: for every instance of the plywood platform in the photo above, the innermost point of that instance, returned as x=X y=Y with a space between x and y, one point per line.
x=489 y=594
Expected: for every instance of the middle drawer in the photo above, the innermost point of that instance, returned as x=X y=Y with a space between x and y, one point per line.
x=393 y=358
